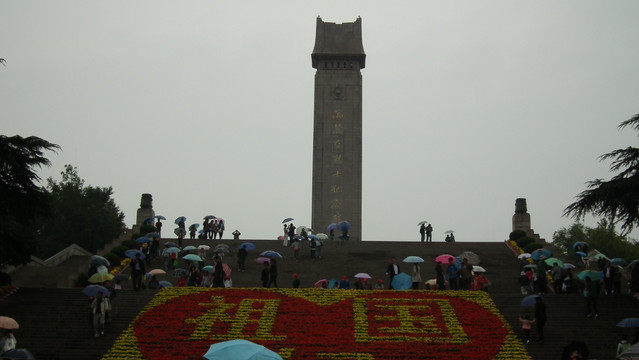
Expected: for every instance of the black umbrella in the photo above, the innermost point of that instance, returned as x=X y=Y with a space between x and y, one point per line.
x=96 y=260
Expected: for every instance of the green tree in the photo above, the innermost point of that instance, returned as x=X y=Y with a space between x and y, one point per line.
x=617 y=199
x=84 y=215
x=603 y=238
x=22 y=200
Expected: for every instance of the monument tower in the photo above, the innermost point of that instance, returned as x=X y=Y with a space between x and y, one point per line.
x=338 y=56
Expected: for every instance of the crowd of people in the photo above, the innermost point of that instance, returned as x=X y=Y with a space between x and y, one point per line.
x=594 y=275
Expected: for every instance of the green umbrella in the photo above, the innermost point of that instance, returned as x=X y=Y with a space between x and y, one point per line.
x=552 y=261
x=592 y=274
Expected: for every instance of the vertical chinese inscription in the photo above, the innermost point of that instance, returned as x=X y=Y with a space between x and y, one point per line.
x=337 y=163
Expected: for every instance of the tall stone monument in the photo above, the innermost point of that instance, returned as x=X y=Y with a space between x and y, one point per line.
x=338 y=56
x=521 y=220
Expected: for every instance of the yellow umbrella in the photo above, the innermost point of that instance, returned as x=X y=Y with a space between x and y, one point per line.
x=100 y=278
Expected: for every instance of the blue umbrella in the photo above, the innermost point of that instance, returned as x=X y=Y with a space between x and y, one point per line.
x=160 y=217
x=18 y=354
x=629 y=323
x=537 y=254
x=581 y=253
x=143 y=240
x=592 y=274
x=208 y=268
x=530 y=300
x=170 y=244
x=181 y=218
x=153 y=235
x=165 y=283
x=93 y=290
x=192 y=257
x=618 y=262
x=287 y=220
x=271 y=254
x=402 y=281
x=331 y=227
x=413 y=259
x=331 y=283
x=131 y=253
x=240 y=350
x=189 y=248
x=247 y=246
x=577 y=243
x=343 y=226
x=314 y=237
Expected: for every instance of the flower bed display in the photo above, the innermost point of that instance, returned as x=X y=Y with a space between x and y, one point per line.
x=182 y=323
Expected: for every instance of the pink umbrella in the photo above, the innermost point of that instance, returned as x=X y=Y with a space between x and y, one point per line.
x=262 y=260
x=319 y=284
x=227 y=270
x=444 y=258
x=8 y=323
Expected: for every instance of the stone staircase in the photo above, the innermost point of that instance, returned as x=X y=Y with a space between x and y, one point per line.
x=54 y=323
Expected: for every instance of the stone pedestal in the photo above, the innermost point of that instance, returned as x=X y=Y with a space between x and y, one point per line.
x=521 y=220
x=144 y=212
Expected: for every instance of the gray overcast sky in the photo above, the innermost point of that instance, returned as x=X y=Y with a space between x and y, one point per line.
x=208 y=105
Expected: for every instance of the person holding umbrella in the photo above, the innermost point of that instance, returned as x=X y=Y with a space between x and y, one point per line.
x=440 y=280
x=241 y=258
x=273 y=274
x=416 y=276
x=99 y=307
x=158 y=227
x=591 y=292
x=540 y=316
x=265 y=274
x=137 y=272
x=7 y=342
x=218 y=273
x=391 y=271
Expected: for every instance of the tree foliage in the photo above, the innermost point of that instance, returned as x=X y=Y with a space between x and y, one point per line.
x=603 y=238
x=22 y=199
x=618 y=198
x=84 y=215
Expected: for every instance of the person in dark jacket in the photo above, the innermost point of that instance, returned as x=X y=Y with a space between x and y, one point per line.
x=273 y=274
x=218 y=273
x=540 y=316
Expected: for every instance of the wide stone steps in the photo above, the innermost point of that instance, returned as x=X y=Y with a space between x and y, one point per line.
x=55 y=322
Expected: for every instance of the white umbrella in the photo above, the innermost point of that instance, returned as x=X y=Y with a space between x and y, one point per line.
x=362 y=276
x=478 y=269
